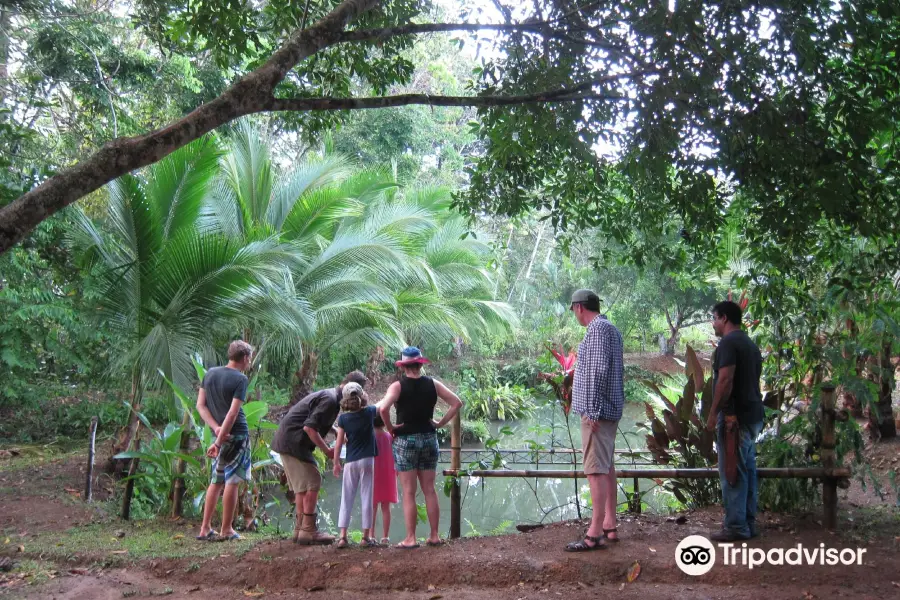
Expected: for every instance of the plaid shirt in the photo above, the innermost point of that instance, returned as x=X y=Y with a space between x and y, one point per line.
x=598 y=391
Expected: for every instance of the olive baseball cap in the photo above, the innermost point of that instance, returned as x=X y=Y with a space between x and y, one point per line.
x=584 y=296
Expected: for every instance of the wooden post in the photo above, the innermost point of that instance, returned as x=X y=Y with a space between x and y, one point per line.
x=455 y=445
x=636 y=508
x=129 y=485
x=829 y=484
x=92 y=445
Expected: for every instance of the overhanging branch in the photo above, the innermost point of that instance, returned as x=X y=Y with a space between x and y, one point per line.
x=538 y=28
x=583 y=91
x=306 y=104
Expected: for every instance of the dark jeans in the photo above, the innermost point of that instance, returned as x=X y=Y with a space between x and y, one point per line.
x=741 y=498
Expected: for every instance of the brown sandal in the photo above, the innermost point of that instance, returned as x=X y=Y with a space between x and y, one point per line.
x=582 y=545
x=606 y=533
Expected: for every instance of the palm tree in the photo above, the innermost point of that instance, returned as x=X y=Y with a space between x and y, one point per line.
x=373 y=265
x=169 y=283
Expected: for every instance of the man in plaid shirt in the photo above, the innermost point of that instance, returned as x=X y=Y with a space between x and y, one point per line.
x=598 y=395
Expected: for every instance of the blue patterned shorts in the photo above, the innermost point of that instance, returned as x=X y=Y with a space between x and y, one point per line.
x=234 y=463
x=416 y=452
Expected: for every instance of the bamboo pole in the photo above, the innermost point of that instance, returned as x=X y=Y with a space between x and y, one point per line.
x=455 y=502
x=92 y=447
x=829 y=484
x=702 y=473
x=129 y=485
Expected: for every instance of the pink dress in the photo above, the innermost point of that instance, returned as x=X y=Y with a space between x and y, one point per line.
x=385 y=475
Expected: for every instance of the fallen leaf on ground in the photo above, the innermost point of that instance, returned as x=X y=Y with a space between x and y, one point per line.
x=254 y=593
x=633 y=572
x=20 y=549
x=652 y=549
x=621 y=587
x=119 y=552
x=431 y=588
x=196 y=588
x=178 y=536
x=316 y=588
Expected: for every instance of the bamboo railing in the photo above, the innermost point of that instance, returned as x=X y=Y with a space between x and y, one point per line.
x=830 y=474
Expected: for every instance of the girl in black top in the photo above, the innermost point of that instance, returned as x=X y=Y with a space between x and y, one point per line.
x=415 y=441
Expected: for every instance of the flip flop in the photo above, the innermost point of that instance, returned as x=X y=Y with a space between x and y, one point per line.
x=228 y=538
x=213 y=534
x=438 y=543
x=405 y=547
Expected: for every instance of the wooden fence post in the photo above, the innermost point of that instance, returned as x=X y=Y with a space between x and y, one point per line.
x=92 y=445
x=636 y=498
x=829 y=484
x=129 y=485
x=455 y=445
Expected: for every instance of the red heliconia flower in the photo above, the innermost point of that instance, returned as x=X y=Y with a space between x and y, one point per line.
x=562 y=382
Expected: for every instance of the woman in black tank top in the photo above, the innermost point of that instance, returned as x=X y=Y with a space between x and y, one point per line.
x=415 y=441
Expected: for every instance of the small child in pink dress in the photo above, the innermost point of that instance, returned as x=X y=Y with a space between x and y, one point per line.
x=385 y=492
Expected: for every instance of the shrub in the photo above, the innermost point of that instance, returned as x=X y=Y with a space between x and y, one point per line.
x=498 y=403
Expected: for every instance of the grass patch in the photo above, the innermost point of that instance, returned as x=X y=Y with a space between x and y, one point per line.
x=98 y=542
x=36 y=455
x=33 y=572
x=872 y=522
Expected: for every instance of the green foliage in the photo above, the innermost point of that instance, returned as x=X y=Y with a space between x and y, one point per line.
x=681 y=438
x=486 y=398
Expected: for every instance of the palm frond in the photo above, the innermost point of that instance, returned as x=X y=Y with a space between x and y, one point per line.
x=177 y=185
x=290 y=188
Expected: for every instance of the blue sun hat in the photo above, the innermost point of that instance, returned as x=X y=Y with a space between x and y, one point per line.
x=411 y=356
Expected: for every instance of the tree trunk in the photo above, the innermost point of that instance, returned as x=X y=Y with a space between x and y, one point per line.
x=178 y=486
x=5 y=19
x=373 y=365
x=881 y=415
x=129 y=433
x=537 y=243
x=306 y=376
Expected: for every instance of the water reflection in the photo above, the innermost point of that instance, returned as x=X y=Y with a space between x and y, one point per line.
x=493 y=503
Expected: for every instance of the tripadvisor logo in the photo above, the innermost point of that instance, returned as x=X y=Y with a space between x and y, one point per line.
x=696 y=555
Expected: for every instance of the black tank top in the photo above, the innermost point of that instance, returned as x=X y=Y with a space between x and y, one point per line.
x=415 y=406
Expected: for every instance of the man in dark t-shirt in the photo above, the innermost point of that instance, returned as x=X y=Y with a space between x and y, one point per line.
x=300 y=432
x=737 y=417
x=219 y=402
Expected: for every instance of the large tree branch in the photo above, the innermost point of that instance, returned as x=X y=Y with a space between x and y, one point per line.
x=542 y=28
x=120 y=156
x=578 y=92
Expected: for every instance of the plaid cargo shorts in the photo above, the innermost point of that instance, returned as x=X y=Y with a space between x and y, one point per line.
x=416 y=452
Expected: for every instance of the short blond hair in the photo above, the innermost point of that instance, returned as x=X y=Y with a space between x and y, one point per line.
x=238 y=349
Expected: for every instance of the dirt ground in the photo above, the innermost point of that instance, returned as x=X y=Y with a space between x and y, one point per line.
x=514 y=567
x=40 y=498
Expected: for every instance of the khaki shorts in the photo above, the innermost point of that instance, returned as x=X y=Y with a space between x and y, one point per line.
x=598 y=446
x=302 y=476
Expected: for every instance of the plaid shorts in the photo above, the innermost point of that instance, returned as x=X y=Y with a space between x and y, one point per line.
x=416 y=452
x=234 y=463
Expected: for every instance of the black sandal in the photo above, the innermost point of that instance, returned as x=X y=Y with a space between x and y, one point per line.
x=343 y=543
x=606 y=533
x=582 y=546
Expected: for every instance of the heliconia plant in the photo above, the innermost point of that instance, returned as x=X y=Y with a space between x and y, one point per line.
x=561 y=381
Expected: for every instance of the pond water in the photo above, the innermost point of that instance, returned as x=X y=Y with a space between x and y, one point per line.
x=498 y=504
